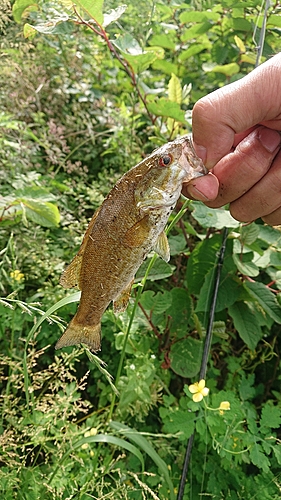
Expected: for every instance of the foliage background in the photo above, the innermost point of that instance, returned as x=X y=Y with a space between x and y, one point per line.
x=77 y=109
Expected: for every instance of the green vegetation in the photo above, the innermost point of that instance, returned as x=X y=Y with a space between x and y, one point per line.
x=85 y=93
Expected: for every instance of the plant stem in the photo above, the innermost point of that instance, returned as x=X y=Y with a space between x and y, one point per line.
x=137 y=299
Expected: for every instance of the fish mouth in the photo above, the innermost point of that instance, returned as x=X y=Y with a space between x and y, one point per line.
x=191 y=163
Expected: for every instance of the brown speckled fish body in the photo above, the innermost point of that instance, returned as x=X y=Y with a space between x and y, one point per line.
x=127 y=226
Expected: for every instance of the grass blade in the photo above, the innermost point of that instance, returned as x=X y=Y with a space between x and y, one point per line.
x=145 y=445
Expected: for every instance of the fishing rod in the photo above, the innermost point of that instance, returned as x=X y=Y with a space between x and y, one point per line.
x=208 y=339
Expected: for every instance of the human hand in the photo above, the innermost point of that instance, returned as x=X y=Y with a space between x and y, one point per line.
x=235 y=132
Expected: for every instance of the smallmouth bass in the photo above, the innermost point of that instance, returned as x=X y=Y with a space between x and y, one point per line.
x=127 y=226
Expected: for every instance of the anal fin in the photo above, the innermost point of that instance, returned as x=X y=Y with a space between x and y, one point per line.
x=121 y=302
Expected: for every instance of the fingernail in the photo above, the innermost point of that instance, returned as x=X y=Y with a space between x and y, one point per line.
x=196 y=194
x=270 y=139
x=201 y=151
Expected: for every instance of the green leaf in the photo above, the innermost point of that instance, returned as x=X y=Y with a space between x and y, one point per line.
x=246 y=268
x=226 y=69
x=41 y=212
x=192 y=16
x=138 y=58
x=202 y=259
x=20 y=6
x=157 y=303
x=266 y=299
x=241 y=24
x=249 y=233
x=174 y=89
x=193 y=49
x=274 y=20
x=164 y=107
x=229 y=291
x=92 y=8
x=185 y=356
x=258 y=458
x=178 y=421
x=180 y=310
x=164 y=41
x=270 y=417
x=159 y=271
x=246 y=323
x=211 y=217
x=195 y=30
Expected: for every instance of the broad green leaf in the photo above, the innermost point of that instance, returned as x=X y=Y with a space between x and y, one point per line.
x=210 y=217
x=138 y=58
x=195 y=31
x=156 y=303
x=246 y=323
x=192 y=16
x=145 y=445
x=165 y=41
x=185 y=356
x=241 y=24
x=177 y=244
x=174 y=89
x=180 y=311
x=159 y=271
x=128 y=45
x=226 y=69
x=270 y=417
x=193 y=49
x=266 y=299
x=59 y=26
x=246 y=268
x=202 y=259
x=41 y=212
x=274 y=20
x=166 y=67
x=20 y=6
x=249 y=233
x=93 y=8
x=228 y=293
x=164 y=107
x=113 y=15
x=270 y=235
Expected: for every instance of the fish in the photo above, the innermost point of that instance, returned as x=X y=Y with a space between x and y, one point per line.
x=127 y=226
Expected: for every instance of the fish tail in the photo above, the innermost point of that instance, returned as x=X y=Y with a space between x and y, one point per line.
x=79 y=334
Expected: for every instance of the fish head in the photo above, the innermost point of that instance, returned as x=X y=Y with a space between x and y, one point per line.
x=164 y=171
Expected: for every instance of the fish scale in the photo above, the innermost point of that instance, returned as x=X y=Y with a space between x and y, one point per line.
x=127 y=226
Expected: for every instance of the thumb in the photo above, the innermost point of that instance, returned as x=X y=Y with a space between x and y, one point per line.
x=233 y=109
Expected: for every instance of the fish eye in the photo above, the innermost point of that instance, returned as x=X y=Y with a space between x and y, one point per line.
x=165 y=160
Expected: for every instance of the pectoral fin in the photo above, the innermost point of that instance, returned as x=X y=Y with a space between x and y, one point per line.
x=121 y=302
x=137 y=234
x=162 y=247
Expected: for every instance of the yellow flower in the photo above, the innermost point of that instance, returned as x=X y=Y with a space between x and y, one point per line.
x=198 y=390
x=92 y=432
x=225 y=405
x=17 y=275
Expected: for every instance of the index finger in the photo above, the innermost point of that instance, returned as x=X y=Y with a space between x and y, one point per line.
x=230 y=110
